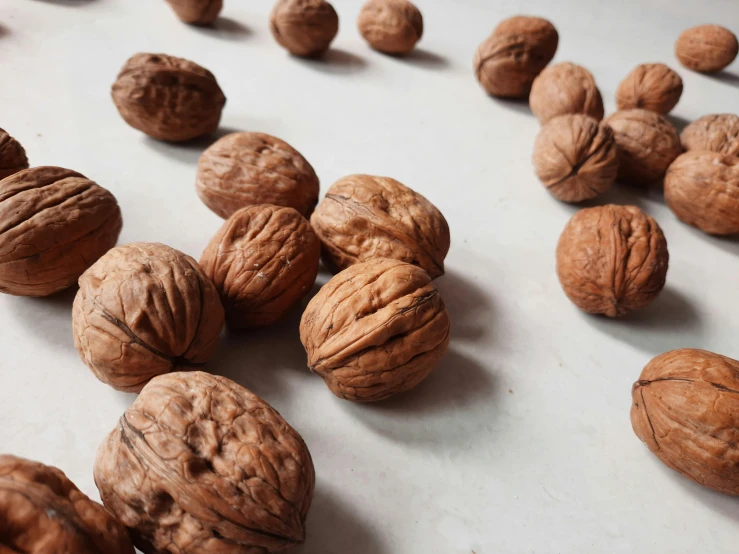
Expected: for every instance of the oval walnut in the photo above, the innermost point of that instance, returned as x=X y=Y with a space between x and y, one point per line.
x=390 y=26
x=706 y=48
x=304 y=28
x=565 y=88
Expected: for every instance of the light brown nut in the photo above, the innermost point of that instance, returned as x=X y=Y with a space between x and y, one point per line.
x=144 y=309
x=706 y=48
x=390 y=26
x=686 y=410
x=508 y=61
x=42 y=512
x=304 y=28
x=54 y=224
x=364 y=217
x=245 y=169
x=12 y=155
x=197 y=12
x=200 y=465
x=575 y=157
x=717 y=133
x=565 y=88
x=612 y=260
x=375 y=329
x=168 y=98
x=650 y=86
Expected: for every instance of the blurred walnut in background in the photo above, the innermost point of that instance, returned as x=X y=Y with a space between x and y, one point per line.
x=565 y=88
x=12 y=155
x=198 y=12
x=706 y=48
x=305 y=28
x=651 y=86
x=390 y=26
x=716 y=133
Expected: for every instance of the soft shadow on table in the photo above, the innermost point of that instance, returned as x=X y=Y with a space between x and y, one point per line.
x=49 y=317
x=336 y=61
x=470 y=308
x=225 y=28
x=518 y=105
x=727 y=243
x=727 y=77
x=67 y=2
x=422 y=58
x=679 y=122
x=4 y=30
x=189 y=151
x=623 y=195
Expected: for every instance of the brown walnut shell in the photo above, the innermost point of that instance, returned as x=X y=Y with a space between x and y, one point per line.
x=304 y=28
x=200 y=465
x=197 y=12
x=54 y=224
x=390 y=26
x=42 y=512
x=612 y=260
x=12 y=155
x=168 y=98
x=565 y=88
x=145 y=309
x=650 y=86
x=716 y=133
x=706 y=48
x=375 y=329
x=686 y=410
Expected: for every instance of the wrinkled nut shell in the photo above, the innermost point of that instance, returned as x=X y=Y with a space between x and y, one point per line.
x=375 y=329
x=650 y=86
x=706 y=48
x=612 y=260
x=42 y=512
x=304 y=28
x=716 y=133
x=54 y=224
x=12 y=156
x=390 y=26
x=200 y=465
x=686 y=410
x=197 y=12
x=565 y=88
x=142 y=310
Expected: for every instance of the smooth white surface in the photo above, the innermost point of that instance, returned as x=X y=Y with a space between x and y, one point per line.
x=521 y=440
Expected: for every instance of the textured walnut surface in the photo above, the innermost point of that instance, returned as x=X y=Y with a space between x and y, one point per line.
x=717 y=133
x=199 y=464
x=304 y=27
x=12 y=155
x=565 y=88
x=390 y=26
x=198 y=12
x=650 y=86
x=706 y=48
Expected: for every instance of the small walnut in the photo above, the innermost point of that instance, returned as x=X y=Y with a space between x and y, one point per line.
x=200 y=465
x=245 y=169
x=12 y=155
x=565 y=88
x=197 y=12
x=575 y=157
x=390 y=26
x=686 y=410
x=508 y=61
x=144 y=309
x=54 y=224
x=168 y=98
x=42 y=512
x=612 y=260
x=375 y=329
x=706 y=48
x=717 y=133
x=364 y=217
x=304 y=27
x=651 y=86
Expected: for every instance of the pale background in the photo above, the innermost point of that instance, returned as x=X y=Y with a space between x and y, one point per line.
x=520 y=441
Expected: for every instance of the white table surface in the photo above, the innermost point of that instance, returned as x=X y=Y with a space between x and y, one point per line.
x=521 y=440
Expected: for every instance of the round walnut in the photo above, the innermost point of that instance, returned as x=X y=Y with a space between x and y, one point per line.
x=168 y=98
x=565 y=88
x=508 y=61
x=651 y=86
x=706 y=48
x=304 y=27
x=716 y=133
x=42 y=512
x=144 y=309
x=685 y=408
x=12 y=155
x=612 y=260
x=197 y=12
x=54 y=224
x=575 y=157
x=390 y=26
x=364 y=217
x=375 y=329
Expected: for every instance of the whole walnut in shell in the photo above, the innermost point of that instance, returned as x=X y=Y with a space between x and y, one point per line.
x=706 y=48
x=390 y=26
x=42 y=512
x=612 y=260
x=686 y=410
x=565 y=88
x=650 y=86
x=717 y=133
x=575 y=157
x=168 y=98
x=145 y=309
x=509 y=60
x=304 y=28
x=54 y=224
x=197 y=12
x=200 y=465
x=12 y=155
x=375 y=329
x=364 y=217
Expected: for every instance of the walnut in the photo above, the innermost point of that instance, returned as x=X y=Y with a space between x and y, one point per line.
x=647 y=145
x=364 y=217
x=168 y=98
x=686 y=410
x=509 y=60
x=197 y=12
x=706 y=48
x=304 y=27
x=54 y=224
x=717 y=133
x=144 y=309
x=198 y=464
x=244 y=169
x=375 y=329
x=42 y=512
x=262 y=261
x=651 y=86
x=390 y=26
x=612 y=260
x=565 y=88
x=575 y=157
x=12 y=155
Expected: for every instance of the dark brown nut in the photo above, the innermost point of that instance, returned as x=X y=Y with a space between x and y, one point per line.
x=612 y=260
x=686 y=410
x=375 y=329
x=650 y=86
x=12 y=155
x=304 y=28
x=716 y=133
x=508 y=61
x=364 y=217
x=144 y=309
x=565 y=88
x=42 y=512
x=246 y=169
x=390 y=26
x=168 y=98
x=197 y=12
x=54 y=224
x=706 y=48
x=575 y=157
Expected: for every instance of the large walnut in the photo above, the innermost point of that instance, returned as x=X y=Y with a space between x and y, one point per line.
x=717 y=133
x=375 y=329
x=364 y=217
x=650 y=86
x=12 y=155
x=200 y=465
x=42 y=512
x=197 y=12
x=145 y=309
x=390 y=26
x=304 y=27
x=686 y=410
x=565 y=88
x=54 y=224
x=706 y=48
